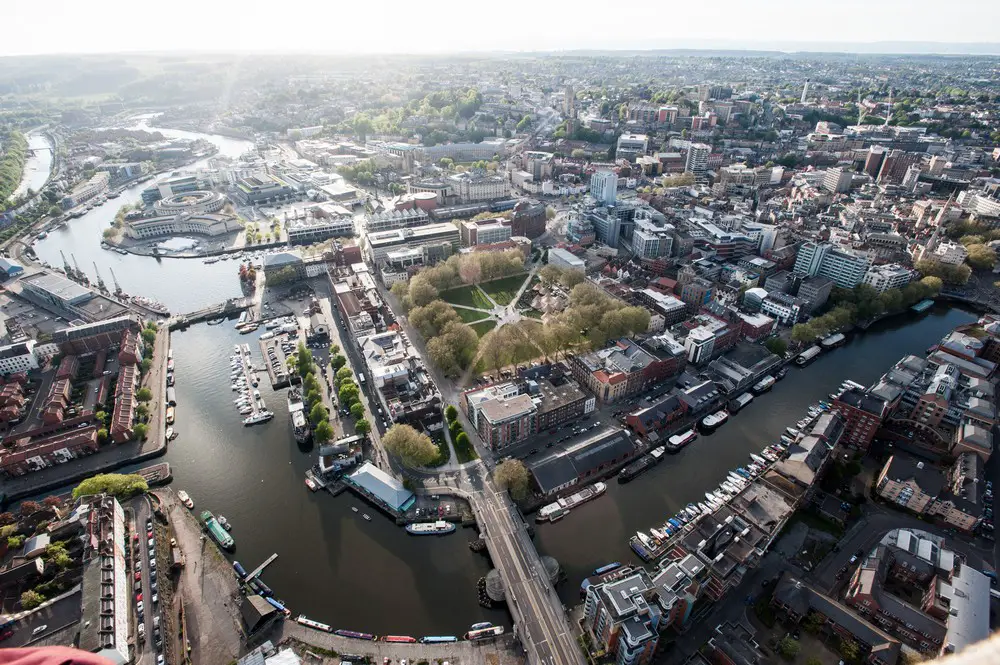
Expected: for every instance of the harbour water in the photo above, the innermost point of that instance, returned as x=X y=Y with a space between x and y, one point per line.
x=36 y=166
x=370 y=575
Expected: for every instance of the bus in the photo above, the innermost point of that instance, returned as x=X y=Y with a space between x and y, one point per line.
x=443 y=639
x=309 y=623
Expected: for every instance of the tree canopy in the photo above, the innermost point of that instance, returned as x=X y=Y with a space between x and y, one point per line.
x=512 y=476
x=119 y=485
x=412 y=447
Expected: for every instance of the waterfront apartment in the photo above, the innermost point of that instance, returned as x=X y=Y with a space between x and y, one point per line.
x=204 y=224
x=621 y=370
x=623 y=618
x=19 y=357
x=97 y=184
x=921 y=592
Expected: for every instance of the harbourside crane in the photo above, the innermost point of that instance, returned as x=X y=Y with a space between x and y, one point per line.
x=66 y=265
x=100 y=282
x=118 y=287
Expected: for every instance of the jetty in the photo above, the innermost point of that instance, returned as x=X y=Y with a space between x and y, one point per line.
x=221 y=310
x=255 y=573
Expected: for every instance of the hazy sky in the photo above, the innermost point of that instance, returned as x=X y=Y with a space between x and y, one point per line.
x=435 y=26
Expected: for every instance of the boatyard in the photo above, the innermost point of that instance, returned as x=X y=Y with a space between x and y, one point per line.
x=245 y=380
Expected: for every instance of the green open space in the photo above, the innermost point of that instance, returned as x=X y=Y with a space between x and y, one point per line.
x=504 y=290
x=470 y=296
x=470 y=315
x=532 y=313
x=484 y=327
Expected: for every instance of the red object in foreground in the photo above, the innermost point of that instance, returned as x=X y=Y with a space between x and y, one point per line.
x=50 y=656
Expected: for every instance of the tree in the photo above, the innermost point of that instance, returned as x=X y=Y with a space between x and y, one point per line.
x=141 y=411
x=357 y=410
x=139 y=431
x=29 y=508
x=788 y=647
x=31 y=599
x=454 y=349
x=803 y=332
x=412 y=447
x=578 y=153
x=317 y=413
x=512 y=476
x=119 y=485
x=334 y=349
x=57 y=555
x=344 y=373
x=431 y=319
x=777 y=346
x=549 y=274
x=421 y=292
x=14 y=542
x=148 y=336
x=362 y=427
x=338 y=361
x=849 y=650
x=7 y=518
x=322 y=432
x=401 y=290
x=446 y=162
x=451 y=413
x=145 y=365
x=144 y=394
x=981 y=256
x=102 y=435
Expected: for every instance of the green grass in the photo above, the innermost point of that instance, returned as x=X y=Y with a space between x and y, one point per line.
x=504 y=290
x=470 y=315
x=484 y=327
x=532 y=314
x=470 y=296
x=443 y=453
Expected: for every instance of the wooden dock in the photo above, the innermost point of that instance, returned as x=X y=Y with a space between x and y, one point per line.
x=255 y=573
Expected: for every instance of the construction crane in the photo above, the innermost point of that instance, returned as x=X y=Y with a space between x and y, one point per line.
x=100 y=282
x=118 y=287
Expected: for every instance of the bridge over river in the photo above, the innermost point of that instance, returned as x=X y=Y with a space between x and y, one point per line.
x=219 y=311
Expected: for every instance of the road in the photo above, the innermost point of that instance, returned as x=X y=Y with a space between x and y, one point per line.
x=142 y=511
x=539 y=618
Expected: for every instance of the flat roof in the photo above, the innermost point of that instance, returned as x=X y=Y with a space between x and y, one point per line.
x=58 y=287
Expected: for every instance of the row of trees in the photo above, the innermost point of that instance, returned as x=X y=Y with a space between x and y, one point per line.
x=312 y=394
x=864 y=303
x=119 y=485
x=350 y=397
x=458 y=270
x=948 y=274
x=451 y=344
x=15 y=150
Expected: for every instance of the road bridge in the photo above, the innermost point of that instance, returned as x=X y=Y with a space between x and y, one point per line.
x=231 y=306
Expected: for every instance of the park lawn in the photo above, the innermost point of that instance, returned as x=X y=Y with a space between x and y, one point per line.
x=532 y=313
x=504 y=290
x=470 y=296
x=444 y=454
x=470 y=315
x=484 y=327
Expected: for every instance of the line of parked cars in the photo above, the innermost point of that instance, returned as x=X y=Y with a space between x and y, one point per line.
x=154 y=599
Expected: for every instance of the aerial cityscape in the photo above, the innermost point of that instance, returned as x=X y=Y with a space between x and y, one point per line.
x=553 y=357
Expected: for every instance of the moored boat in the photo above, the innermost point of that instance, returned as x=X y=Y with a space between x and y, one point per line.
x=678 y=441
x=185 y=499
x=763 y=385
x=438 y=527
x=713 y=421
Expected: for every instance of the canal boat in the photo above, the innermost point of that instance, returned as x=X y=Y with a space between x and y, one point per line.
x=631 y=471
x=400 y=638
x=807 y=356
x=484 y=633
x=833 y=341
x=217 y=532
x=239 y=569
x=353 y=634
x=713 y=421
x=763 y=385
x=436 y=528
x=552 y=512
x=607 y=568
x=678 y=441
x=170 y=415
x=185 y=499
x=488 y=624
x=782 y=373
x=735 y=405
x=315 y=625
x=354 y=509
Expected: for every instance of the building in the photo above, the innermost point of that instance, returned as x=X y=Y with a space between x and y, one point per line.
x=504 y=422
x=194 y=202
x=318 y=226
x=863 y=412
x=846 y=268
x=796 y=600
x=696 y=161
x=485 y=232
x=783 y=307
x=922 y=593
x=621 y=370
x=379 y=244
x=604 y=187
x=631 y=146
x=888 y=276
x=377 y=485
x=697 y=292
x=698 y=345
x=262 y=189
x=895 y=164
x=651 y=241
x=389 y=220
x=563 y=259
x=658 y=416
x=672 y=309
x=814 y=292
x=279 y=261
x=97 y=184
x=106 y=588
x=582 y=461
x=474 y=186
x=952 y=497
x=947 y=252
x=623 y=618
x=205 y=224
x=528 y=219
x=837 y=180
x=19 y=357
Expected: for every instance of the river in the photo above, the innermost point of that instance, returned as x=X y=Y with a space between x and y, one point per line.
x=37 y=166
x=371 y=576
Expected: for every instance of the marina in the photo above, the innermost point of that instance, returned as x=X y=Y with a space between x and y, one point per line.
x=245 y=381
x=275 y=351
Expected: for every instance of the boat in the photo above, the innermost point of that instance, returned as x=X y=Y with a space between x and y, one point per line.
x=297 y=414
x=735 y=405
x=763 y=385
x=211 y=259
x=436 y=528
x=782 y=373
x=259 y=417
x=239 y=569
x=807 y=356
x=368 y=518
x=151 y=305
x=215 y=530
x=678 y=441
x=487 y=624
x=643 y=538
x=483 y=634
x=631 y=471
x=225 y=523
x=169 y=433
x=713 y=421
x=354 y=508
x=833 y=341
x=170 y=415
x=792 y=431
x=552 y=512
x=185 y=499
x=922 y=306
x=311 y=484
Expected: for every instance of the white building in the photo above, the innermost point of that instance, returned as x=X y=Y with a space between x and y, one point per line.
x=471 y=187
x=631 y=146
x=951 y=253
x=20 y=357
x=699 y=344
x=889 y=276
x=561 y=258
x=783 y=307
x=836 y=180
x=206 y=225
x=650 y=241
x=310 y=229
x=604 y=187
x=844 y=267
x=381 y=243
x=697 y=158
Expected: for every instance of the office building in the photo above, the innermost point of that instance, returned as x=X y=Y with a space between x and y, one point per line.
x=379 y=244
x=651 y=241
x=203 y=224
x=873 y=161
x=814 y=292
x=631 y=146
x=485 y=232
x=837 y=180
x=889 y=276
x=699 y=345
x=389 y=220
x=19 y=357
x=670 y=308
x=528 y=219
x=697 y=292
x=787 y=309
x=563 y=259
x=895 y=165
x=846 y=268
x=254 y=190
x=318 y=227
x=604 y=187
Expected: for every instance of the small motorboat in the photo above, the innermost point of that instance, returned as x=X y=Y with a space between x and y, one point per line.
x=368 y=518
x=354 y=508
